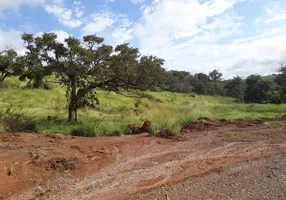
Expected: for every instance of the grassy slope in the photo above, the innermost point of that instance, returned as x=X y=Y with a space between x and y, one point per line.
x=166 y=110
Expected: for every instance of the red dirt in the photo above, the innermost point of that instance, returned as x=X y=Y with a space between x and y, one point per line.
x=211 y=160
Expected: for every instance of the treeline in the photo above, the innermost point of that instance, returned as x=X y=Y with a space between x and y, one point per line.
x=252 y=89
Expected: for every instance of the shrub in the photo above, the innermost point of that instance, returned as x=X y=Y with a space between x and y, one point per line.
x=14 y=120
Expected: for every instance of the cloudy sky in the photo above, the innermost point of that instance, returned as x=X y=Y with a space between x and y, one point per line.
x=238 y=37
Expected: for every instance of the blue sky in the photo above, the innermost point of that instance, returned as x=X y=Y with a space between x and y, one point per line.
x=238 y=37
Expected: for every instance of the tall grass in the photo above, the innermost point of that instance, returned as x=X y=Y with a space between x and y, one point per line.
x=164 y=109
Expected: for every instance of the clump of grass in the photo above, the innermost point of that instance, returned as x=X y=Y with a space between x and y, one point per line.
x=84 y=131
x=276 y=123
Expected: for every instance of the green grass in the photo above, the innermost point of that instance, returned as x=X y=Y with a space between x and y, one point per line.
x=165 y=110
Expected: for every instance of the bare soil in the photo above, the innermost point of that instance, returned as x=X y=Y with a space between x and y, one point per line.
x=207 y=160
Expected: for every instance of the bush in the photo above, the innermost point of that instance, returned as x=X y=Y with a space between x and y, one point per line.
x=11 y=82
x=274 y=97
x=48 y=86
x=14 y=120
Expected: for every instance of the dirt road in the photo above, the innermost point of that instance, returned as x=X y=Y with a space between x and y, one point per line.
x=240 y=160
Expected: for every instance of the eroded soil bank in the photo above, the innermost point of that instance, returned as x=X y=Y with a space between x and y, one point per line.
x=238 y=160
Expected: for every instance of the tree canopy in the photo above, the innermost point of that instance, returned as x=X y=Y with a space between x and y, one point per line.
x=87 y=65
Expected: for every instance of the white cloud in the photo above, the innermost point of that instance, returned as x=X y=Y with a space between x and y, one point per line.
x=78 y=9
x=275 y=13
x=62 y=35
x=100 y=21
x=198 y=36
x=167 y=20
x=11 y=39
x=64 y=15
x=115 y=28
x=273 y=19
x=137 y=1
x=15 y=4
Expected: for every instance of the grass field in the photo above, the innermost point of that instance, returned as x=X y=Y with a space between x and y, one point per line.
x=164 y=109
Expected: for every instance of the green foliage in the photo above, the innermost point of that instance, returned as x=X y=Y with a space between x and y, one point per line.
x=15 y=120
x=256 y=89
x=10 y=64
x=273 y=97
x=235 y=88
x=281 y=77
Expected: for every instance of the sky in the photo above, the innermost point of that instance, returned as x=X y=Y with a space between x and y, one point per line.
x=237 y=37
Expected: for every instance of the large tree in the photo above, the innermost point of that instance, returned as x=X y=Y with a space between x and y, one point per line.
x=235 y=87
x=256 y=89
x=215 y=75
x=83 y=66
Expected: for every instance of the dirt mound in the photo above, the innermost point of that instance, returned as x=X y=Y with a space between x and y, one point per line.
x=168 y=134
x=201 y=124
x=138 y=129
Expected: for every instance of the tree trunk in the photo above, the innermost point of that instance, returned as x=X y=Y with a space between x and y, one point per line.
x=72 y=113
x=73 y=103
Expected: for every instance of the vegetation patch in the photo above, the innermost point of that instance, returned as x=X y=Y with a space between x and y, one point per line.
x=15 y=120
x=84 y=131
